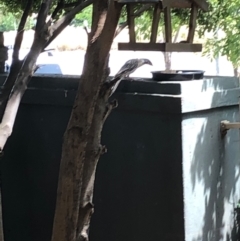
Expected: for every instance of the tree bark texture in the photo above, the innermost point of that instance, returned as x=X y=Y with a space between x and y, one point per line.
x=81 y=147
x=50 y=32
x=21 y=71
x=20 y=31
x=79 y=156
x=21 y=82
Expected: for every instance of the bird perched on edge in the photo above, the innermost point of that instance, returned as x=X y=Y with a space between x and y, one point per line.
x=128 y=68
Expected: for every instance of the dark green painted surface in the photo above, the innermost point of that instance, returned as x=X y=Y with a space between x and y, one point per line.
x=139 y=188
x=29 y=172
x=134 y=197
x=139 y=180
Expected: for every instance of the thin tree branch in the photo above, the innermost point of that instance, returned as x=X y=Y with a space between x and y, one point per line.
x=63 y=22
x=42 y=15
x=16 y=63
x=122 y=26
x=70 y=5
x=70 y=15
x=58 y=8
x=87 y=33
x=20 y=31
x=24 y=76
x=9 y=83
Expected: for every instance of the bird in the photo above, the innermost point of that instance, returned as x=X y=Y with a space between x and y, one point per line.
x=128 y=68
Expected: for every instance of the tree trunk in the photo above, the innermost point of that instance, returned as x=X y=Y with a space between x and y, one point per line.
x=21 y=71
x=16 y=63
x=81 y=147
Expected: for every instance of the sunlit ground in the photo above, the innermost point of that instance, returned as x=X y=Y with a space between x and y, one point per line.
x=71 y=62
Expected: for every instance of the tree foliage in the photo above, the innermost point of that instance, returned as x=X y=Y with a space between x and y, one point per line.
x=223 y=24
x=9 y=20
x=11 y=12
x=85 y=15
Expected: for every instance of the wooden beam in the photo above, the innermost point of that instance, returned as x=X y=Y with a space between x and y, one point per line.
x=201 y=4
x=162 y=47
x=177 y=3
x=192 y=23
x=1 y=39
x=155 y=23
x=168 y=25
x=137 y=1
x=131 y=23
x=171 y=3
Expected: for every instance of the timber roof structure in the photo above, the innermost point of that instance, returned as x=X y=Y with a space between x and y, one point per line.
x=163 y=8
x=202 y=4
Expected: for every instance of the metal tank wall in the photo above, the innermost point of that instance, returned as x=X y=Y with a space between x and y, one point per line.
x=167 y=174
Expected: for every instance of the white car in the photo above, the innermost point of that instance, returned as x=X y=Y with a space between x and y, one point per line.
x=46 y=61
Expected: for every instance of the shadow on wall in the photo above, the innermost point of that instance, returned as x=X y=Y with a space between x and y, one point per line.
x=215 y=170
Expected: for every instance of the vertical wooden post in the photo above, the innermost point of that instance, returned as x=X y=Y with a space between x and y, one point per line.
x=2 y=68
x=131 y=23
x=1 y=39
x=192 y=23
x=168 y=24
x=3 y=53
x=155 y=23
